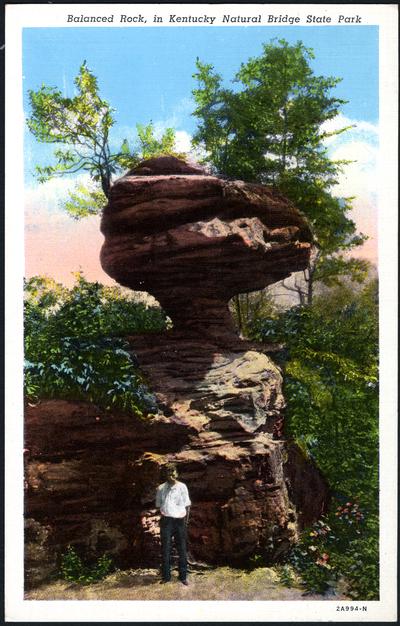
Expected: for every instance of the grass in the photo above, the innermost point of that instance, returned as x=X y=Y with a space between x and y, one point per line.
x=223 y=583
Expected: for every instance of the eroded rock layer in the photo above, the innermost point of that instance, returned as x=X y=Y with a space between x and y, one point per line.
x=91 y=477
x=193 y=241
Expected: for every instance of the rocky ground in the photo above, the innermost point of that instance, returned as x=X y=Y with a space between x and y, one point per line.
x=222 y=583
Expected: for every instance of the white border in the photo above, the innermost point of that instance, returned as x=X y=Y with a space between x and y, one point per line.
x=19 y=16
x=34 y=15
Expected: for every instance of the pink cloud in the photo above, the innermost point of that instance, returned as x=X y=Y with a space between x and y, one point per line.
x=62 y=246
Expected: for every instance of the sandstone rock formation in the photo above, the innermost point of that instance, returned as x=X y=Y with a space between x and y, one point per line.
x=91 y=475
x=193 y=241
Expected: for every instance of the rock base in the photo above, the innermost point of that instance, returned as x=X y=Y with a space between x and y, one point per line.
x=91 y=476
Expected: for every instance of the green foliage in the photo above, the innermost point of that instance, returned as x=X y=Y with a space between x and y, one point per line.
x=256 y=560
x=84 y=201
x=270 y=123
x=148 y=146
x=247 y=308
x=74 y=345
x=286 y=575
x=341 y=546
x=81 y=126
x=330 y=358
x=331 y=269
x=268 y=129
x=331 y=366
x=74 y=570
x=360 y=562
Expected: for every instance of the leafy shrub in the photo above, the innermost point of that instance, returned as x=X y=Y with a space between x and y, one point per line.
x=286 y=576
x=255 y=561
x=340 y=546
x=313 y=560
x=330 y=361
x=74 y=570
x=74 y=346
x=359 y=561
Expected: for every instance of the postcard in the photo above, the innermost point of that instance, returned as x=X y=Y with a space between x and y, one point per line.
x=201 y=312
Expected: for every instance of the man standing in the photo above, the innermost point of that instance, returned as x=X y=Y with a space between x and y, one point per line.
x=172 y=498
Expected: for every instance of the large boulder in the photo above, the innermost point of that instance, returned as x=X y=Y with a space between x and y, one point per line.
x=194 y=240
x=91 y=477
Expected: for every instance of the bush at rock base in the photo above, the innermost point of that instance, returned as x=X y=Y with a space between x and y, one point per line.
x=330 y=361
x=342 y=546
x=74 y=347
x=74 y=570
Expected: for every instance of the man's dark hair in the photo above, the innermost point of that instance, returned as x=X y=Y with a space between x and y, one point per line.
x=169 y=468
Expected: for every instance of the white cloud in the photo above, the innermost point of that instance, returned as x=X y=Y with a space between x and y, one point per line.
x=360 y=129
x=181 y=111
x=43 y=202
x=360 y=145
x=183 y=141
x=359 y=178
x=52 y=190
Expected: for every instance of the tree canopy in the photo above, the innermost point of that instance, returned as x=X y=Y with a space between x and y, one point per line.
x=81 y=123
x=75 y=343
x=81 y=127
x=269 y=128
x=330 y=364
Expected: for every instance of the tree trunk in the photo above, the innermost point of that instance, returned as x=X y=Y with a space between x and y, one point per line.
x=106 y=183
x=238 y=309
x=310 y=290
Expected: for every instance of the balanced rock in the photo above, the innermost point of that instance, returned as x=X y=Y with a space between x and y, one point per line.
x=193 y=241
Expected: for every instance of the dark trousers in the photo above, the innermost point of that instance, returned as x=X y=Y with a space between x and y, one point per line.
x=171 y=527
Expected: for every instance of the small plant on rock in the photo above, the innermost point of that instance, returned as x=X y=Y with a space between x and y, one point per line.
x=286 y=575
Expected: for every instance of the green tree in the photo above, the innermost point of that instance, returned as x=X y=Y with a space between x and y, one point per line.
x=75 y=344
x=248 y=308
x=81 y=127
x=330 y=363
x=268 y=129
x=331 y=383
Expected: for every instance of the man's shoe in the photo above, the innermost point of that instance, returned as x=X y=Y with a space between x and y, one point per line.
x=163 y=582
x=185 y=582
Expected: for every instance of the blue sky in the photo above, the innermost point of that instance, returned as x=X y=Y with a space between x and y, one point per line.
x=145 y=72
x=146 y=75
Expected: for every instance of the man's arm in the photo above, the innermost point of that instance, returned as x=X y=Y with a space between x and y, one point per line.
x=187 y=515
x=158 y=499
x=187 y=503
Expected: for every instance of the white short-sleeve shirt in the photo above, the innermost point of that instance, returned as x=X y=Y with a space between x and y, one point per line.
x=172 y=500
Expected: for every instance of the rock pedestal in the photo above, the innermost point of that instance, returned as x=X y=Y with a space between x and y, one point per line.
x=193 y=241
